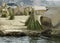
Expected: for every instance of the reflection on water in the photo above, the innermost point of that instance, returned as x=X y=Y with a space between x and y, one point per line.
x=26 y=39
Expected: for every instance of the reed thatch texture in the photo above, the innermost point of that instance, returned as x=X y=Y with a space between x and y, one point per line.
x=32 y=22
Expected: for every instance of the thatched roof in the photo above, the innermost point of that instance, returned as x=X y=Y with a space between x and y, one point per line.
x=39 y=8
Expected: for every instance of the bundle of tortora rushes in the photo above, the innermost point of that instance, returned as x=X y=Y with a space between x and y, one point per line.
x=11 y=13
x=32 y=23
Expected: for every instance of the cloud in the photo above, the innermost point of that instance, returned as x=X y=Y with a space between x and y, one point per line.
x=36 y=2
x=21 y=3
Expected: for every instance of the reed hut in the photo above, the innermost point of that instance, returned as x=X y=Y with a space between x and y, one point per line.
x=40 y=9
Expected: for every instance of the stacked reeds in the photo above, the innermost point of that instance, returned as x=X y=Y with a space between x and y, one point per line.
x=11 y=14
x=32 y=22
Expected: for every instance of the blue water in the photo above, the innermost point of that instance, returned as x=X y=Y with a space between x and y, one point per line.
x=27 y=39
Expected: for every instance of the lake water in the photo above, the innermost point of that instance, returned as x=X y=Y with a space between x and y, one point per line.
x=27 y=39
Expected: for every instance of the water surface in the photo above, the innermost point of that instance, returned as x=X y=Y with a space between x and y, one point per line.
x=27 y=39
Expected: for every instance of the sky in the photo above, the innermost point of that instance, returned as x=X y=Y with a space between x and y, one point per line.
x=36 y=2
x=53 y=0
